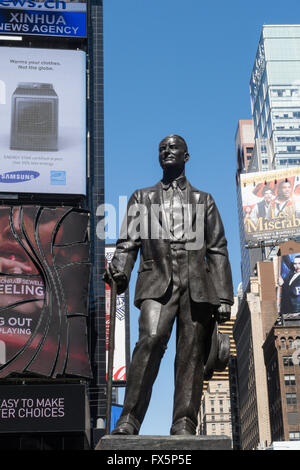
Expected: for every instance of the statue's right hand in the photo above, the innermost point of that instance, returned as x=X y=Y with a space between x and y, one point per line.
x=120 y=278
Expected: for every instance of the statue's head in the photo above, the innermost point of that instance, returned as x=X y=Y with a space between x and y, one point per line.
x=173 y=152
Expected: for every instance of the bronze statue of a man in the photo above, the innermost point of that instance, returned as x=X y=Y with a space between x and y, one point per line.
x=184 y=274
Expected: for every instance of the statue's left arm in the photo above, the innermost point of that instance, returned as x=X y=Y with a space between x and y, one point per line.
x=217 y=258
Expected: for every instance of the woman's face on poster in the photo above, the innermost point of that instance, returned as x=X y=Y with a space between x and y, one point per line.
x=15 y=261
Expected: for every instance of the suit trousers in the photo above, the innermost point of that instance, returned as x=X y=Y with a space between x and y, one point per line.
x=193 y=329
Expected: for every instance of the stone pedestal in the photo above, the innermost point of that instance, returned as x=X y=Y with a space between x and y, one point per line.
x=162 y=443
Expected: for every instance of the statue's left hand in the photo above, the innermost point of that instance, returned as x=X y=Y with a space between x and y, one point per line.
x=223 y=313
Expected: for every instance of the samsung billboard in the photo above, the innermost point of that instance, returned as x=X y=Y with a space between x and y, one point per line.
x=43 y=121
x=43 y=18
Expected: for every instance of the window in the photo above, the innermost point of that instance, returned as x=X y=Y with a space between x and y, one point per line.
x=291 y=399
x=294 y=436
x=289 y=379
x=282 y=343
x=287 y=361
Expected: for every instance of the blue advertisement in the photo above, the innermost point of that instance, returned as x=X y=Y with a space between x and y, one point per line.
x=46 y=18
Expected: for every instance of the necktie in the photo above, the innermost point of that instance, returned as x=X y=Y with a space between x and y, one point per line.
x=176 y=213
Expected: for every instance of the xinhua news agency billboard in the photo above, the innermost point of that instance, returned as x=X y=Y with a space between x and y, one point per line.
x=271 y=205
x=42 y=121
x=43 y=18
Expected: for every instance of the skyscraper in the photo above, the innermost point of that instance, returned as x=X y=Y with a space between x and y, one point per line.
x=95 y=199
x=275 y=98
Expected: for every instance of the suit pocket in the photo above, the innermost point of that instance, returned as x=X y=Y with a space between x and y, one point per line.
x=146 y=266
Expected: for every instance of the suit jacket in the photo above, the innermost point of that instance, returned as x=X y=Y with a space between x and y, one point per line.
x=208 y=264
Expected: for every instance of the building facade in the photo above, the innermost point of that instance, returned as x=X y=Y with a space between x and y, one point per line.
x=282 y=354
x=97 y=387
x=249 y=333
x=215 y=411
x=275 y=98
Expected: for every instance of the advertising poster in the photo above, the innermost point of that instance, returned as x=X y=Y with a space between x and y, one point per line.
x=62 y=18
x=119 y=364
x=287 y=273
x=44 y=279
x=43 y=121
x=271 y=205
x=38 y=408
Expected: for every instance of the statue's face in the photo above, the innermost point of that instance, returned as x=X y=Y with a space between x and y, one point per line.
x=172 y=153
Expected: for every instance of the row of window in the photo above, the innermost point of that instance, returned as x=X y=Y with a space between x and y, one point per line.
x=289 y=379
x=284 y=92
x=291 y=398
x=290 y=343
x=288 y=138
x=286 y=115
x=286 y=126
x=288 y=361
x=288 y=161
x=294 y=436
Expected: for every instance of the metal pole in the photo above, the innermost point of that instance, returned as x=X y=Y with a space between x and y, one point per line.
x=111 y=348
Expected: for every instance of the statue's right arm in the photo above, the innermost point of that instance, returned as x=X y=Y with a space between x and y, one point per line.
x=127 y=246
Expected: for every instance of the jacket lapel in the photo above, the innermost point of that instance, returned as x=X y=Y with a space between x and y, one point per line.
x=157 y=209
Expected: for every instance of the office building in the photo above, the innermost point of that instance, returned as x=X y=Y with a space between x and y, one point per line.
x=282 y=355
x=256 y=315
x=244 y=143
x=282 y=360
x=96 y=198
x=215 y=410
x=275 y=98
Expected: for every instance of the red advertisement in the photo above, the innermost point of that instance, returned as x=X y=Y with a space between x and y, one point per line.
x=121 y=340
x=44 y=276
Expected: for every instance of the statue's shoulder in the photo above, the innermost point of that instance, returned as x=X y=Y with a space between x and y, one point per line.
x=203 y=194
x=144 y=191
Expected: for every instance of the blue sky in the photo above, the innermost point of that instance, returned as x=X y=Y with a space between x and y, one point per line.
x=183 y=67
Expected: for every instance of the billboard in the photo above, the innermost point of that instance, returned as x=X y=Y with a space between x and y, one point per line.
x=44 y=18
x=44 y=279
x=43 y=408
x=121 y=338
x=43 y=121
x=287 y=273
x=271 y=205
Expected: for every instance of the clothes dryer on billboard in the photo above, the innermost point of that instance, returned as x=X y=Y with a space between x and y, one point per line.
x=42 y=121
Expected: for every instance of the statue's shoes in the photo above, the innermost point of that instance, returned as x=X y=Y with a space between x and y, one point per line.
x=125 y=429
